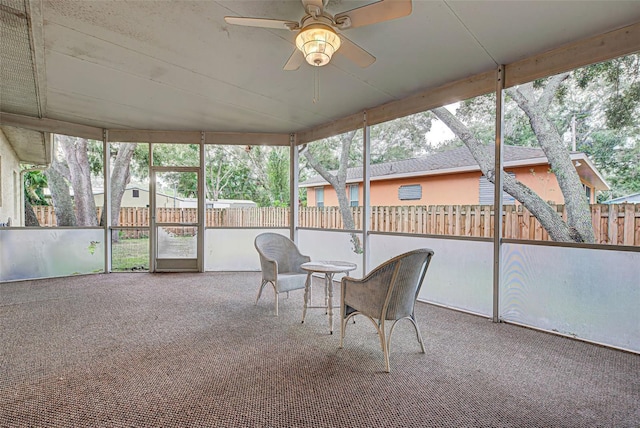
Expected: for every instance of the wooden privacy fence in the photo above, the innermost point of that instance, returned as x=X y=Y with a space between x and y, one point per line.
x=617 y=224
x=612 y=224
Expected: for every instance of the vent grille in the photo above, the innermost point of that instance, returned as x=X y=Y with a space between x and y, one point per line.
x=486 y=192
x=18 y=89
x=412 y=192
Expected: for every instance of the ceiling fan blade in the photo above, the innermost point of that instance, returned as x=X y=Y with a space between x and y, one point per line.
x=295 y=61
x=262 y=23
x=383 y=10
x=315 y=6
x=355 y=53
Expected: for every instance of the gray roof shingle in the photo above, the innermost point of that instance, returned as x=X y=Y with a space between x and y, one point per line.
x=455 y=158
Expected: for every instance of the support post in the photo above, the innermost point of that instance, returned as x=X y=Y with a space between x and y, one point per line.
x=497 y=200
x=106 y=202
x=202 y=204
x=153 y=236
x=294 y=196
x=366 y=192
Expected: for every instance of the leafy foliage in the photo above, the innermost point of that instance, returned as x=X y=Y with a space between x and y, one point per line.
x=398 y=139
x=278 y=177
x=598 y=107
x=34 y=184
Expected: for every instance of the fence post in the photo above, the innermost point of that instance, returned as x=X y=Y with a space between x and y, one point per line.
x=613 y=224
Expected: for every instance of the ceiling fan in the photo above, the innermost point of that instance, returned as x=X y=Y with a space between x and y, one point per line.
x=317 y=39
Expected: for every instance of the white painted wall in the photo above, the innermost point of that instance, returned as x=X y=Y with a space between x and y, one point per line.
x=9 y=183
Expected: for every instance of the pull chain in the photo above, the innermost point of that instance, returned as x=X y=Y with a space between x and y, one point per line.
x=316 y=84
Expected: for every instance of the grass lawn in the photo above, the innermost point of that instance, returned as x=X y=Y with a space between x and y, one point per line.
x=130 y=254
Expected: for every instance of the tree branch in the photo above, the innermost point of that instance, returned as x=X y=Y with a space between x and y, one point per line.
x=550 y=89
x=550 y=140
x=548 y=217
x=319 y=168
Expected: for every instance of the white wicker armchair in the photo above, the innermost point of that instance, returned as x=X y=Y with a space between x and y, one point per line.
x=280 y=260
x=388 y=293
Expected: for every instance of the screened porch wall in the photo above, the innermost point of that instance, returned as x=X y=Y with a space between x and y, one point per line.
x=460 y=275
x=586 y=293
x=233 y=249
x=47 y=253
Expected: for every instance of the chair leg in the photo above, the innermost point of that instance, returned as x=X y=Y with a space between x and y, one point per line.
x=415 y=325
x=276 y=303
x=411 y=318
x=380 y=329
x=260 y=290
x=343 y=324
x=384 y=344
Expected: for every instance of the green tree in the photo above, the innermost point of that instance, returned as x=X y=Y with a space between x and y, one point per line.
x=610 y=133
x=337 y=179
x=76 y=162
x=34 y=184
x=399 y=139
x=535 y=103
x=122 y=155
x=595 y=107
x=278 y=176
x=331 y=157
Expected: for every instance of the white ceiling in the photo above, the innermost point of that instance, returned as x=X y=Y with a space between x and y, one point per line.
x=176 y=65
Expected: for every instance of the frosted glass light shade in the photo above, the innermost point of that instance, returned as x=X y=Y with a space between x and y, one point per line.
x=318 y=43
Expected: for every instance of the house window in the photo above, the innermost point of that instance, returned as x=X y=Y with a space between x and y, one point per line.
x=353 y=195
x=587 y=192
x=136 y=193
x=411 y=192
x=486 y=192
x=320 y=196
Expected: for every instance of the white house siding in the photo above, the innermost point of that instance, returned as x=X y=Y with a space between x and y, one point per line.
x=628 y=199
x=10 y=183
x=141 y=201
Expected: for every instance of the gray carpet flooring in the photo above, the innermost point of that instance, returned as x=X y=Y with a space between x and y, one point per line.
x=192 y=350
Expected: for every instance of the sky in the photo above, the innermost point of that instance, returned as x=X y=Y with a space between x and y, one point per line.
x=439 y=131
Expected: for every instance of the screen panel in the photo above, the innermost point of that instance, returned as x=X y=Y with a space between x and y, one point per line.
x=460 y=274
x=233 y=249
x=585 y=293
x=43 y=253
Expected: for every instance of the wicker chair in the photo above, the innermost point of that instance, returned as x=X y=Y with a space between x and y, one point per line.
x=280 y=260
x=388 y=293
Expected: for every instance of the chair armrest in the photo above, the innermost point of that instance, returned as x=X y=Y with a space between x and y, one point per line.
x=368 y=295
x=296 y=260
x=269 y=268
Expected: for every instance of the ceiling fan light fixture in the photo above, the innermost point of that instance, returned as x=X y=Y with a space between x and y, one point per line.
x=318 y=43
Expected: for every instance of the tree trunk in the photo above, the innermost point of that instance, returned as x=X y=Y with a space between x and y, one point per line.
x=75 y=151
x=30 y=219
x=216 y=179
x=338 y=182
x=120 y=177
x=578 y=212
x=546 y=215
x=65 y=216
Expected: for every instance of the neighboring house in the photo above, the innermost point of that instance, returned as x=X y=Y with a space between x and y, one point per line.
x=18 y=146
x=453 y=178
x=220 y=203
x=136 y=196
x=633 y=198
